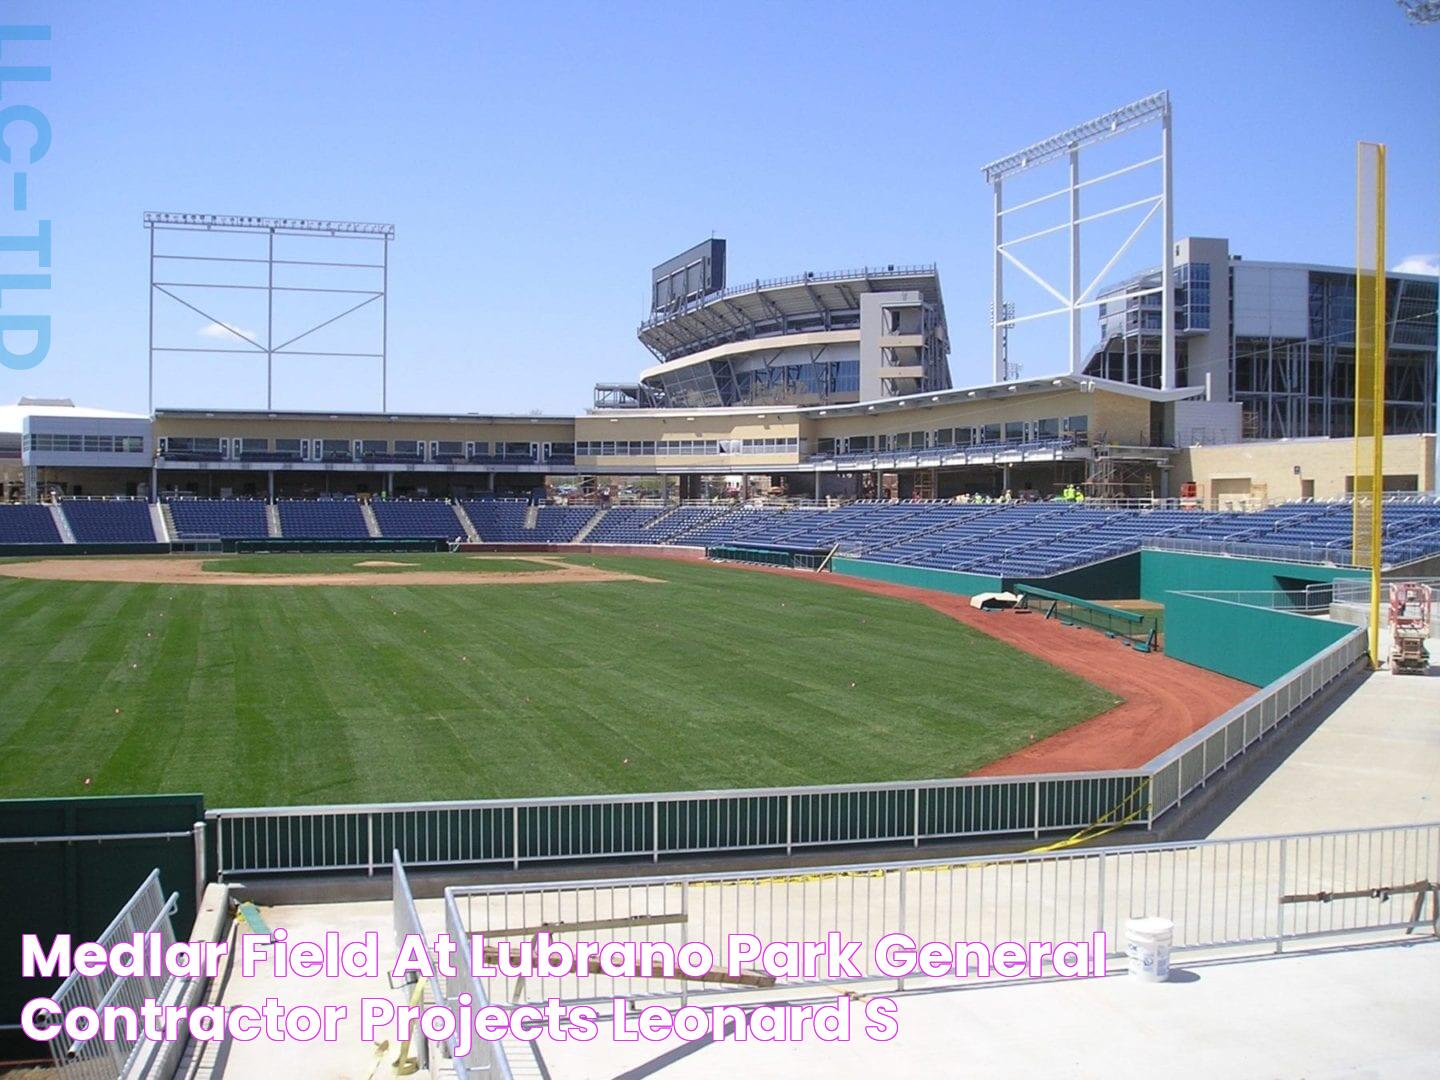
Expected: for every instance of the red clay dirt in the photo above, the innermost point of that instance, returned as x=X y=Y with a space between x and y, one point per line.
x=1162 y=700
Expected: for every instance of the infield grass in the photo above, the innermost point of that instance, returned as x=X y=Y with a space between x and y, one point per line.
x=711 y=677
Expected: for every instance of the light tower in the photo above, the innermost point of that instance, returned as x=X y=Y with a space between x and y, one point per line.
x=1074 y=297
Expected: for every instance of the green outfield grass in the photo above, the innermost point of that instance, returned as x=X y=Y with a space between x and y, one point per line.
x=351 y=564
x=712 y=677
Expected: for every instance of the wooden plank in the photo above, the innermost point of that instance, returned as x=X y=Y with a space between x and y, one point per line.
x=249 y=914
x=1382 y=892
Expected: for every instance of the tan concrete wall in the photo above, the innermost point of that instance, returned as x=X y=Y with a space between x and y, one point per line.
x=1122 y=418
x=1119 y=419
x=1277 y=471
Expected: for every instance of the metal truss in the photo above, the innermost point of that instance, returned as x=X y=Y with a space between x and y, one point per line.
x=192 y=273
x=1073 y=297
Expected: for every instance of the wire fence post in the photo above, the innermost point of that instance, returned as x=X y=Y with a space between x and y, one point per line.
x=684 y=936
x=1100 y=912
x=1280 y=903
x=201 y=874
x=789 y=823
x=900 y=982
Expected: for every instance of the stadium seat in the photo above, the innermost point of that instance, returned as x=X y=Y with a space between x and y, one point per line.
x=322 y=519
x=101 y=521
x=229 y=519
x=23 y=523
x=499 y=521
x=417 y=519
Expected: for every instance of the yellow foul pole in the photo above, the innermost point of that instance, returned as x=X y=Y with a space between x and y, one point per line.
x=1369 y=484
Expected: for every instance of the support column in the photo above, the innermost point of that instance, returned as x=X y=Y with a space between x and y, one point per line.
x=389 y=485
x=997 y=347
x=270 y=483
x=1074 y=260
x=1167 y=265
x=1004 y=478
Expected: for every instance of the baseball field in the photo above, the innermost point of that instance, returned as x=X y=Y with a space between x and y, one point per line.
x=350 y=679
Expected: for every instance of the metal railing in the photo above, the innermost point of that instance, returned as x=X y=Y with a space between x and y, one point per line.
x=1315 y=554
x=1311 y=600
x=1357 y=590
x=1238 y=893
x=743 y=288
x=484 y=1059
x=1191 y=762
x=1395 y=551
x=406 y=924
x=146 y=912
x=300 y=839
x=503 y=831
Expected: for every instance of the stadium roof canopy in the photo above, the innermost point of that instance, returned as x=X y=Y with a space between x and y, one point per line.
x=957 y=396
x=12 y=417
x=386 y=417
x=761 y=309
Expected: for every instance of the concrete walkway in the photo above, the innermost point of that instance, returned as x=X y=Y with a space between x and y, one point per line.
x=1374 y=761
x=1369 y=1012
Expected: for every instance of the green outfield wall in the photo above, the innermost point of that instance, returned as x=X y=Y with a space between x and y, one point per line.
x=919 y=577
x=1113 y=579
x=1254 y=644
x=1163 y=572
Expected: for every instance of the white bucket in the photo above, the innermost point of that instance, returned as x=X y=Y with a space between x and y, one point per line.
x=1147 y=944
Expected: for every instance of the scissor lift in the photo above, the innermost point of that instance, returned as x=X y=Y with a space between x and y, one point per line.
x=1410 y=627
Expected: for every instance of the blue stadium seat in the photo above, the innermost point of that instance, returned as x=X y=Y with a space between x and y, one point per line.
x=26 y=523
x=560 y=524
x=626 y=525
x=499 y=521
x=322 y=519
x=229 y=519
x=99 y=521
x=417 y=519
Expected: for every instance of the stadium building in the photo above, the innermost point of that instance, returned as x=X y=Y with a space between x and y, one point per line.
x=1276 y=338
x=834 y=385
x=812 y=339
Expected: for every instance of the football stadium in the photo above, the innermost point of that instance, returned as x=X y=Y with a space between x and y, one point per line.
x=786 y=639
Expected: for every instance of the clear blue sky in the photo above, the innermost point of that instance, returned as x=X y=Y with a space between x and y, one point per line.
x=538 y=159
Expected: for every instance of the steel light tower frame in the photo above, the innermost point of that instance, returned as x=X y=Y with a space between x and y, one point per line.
x=1075 y=297
x=157 y=223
